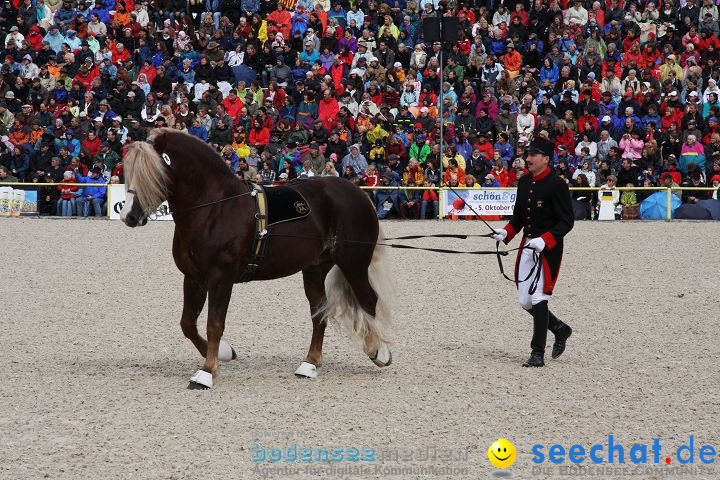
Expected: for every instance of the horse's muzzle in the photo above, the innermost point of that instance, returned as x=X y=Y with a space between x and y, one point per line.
x=133 y=221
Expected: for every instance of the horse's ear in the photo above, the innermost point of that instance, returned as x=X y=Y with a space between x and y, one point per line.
x=157 y=140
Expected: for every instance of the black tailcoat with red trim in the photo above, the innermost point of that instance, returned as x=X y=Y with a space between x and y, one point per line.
x=543 y=209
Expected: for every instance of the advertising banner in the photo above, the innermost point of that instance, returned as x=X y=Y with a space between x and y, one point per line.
x=116 y=199
x=16 y=202
x=483 y=201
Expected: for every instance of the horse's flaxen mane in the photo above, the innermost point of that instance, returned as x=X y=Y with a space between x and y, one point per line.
x=146 y=174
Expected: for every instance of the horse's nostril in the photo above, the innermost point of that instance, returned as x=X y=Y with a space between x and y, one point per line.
x=132 y=218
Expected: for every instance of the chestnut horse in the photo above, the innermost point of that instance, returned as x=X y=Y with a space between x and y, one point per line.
x=216 y=234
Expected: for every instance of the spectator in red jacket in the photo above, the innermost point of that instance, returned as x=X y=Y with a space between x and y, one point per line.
x=91 y=144
x=233 y=105
x=259 y=135
x=564 y=136
x=484 y=146
x=500 y=173
x=328 y=109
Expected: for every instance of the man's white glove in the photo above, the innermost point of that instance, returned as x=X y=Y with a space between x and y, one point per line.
x=537 y=244
x=499 y=234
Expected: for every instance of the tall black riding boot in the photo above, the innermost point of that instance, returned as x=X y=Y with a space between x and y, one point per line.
x=539 y=338
x=561 y=330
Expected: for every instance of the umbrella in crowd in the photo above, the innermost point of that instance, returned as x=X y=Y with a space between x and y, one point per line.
x=713 y=206
x=654 y=207
x=693 y=211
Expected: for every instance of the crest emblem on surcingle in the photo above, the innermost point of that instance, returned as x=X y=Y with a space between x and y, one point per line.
x=539 y=204
x=301 y=207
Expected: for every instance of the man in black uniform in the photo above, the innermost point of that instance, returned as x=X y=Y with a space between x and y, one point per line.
x=543 y=211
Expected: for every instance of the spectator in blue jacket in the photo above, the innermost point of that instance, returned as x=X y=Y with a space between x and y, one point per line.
x=230 y=158
x=54 y=38
x=549 y=71
x=250 y=6
x=101 y=11
x=507 y=153
x=92 y=196
x=70 y=142
x=198 y=130
x=66 y=14
x=490 y=181
x=299 y=22
x=309 y=55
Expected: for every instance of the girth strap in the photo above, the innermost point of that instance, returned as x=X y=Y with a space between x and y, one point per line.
x=260 y=240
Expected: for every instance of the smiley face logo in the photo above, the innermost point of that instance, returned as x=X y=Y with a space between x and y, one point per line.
x=502 y=453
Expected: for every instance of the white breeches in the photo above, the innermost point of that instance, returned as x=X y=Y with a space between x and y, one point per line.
x=525 y=299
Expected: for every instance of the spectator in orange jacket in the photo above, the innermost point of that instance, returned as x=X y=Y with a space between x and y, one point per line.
x=18 y=135
x=454 y=170
x=512 y=60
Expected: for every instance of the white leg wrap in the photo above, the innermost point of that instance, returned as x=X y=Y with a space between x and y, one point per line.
x=201 y=377
x=307 y=370
x=383 y=357
x=225 y=352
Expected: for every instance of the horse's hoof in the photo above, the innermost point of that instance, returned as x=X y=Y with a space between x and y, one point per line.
x=306 y=370
x=383 y=356
x=226 y=352
x=196 y=386
x=202 y=379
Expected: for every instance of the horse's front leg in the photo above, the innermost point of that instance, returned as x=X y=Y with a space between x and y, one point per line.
x=194 y=295
x=219 y=292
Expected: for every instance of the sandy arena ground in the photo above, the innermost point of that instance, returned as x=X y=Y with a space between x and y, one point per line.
x=95 y=367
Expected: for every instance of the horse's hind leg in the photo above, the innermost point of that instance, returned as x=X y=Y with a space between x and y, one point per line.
x=314 y=283
x=376 y=318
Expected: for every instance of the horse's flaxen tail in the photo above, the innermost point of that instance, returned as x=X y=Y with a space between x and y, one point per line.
x=349 y=301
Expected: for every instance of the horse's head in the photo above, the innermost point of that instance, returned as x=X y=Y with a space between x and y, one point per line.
x=132 y=214
x=146 y=182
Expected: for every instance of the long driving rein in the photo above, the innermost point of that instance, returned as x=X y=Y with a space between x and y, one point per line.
x=262 y=233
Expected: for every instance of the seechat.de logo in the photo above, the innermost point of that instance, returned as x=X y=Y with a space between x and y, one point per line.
x=613 y=452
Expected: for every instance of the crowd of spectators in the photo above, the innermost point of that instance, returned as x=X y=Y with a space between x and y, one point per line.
x=627 y=90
